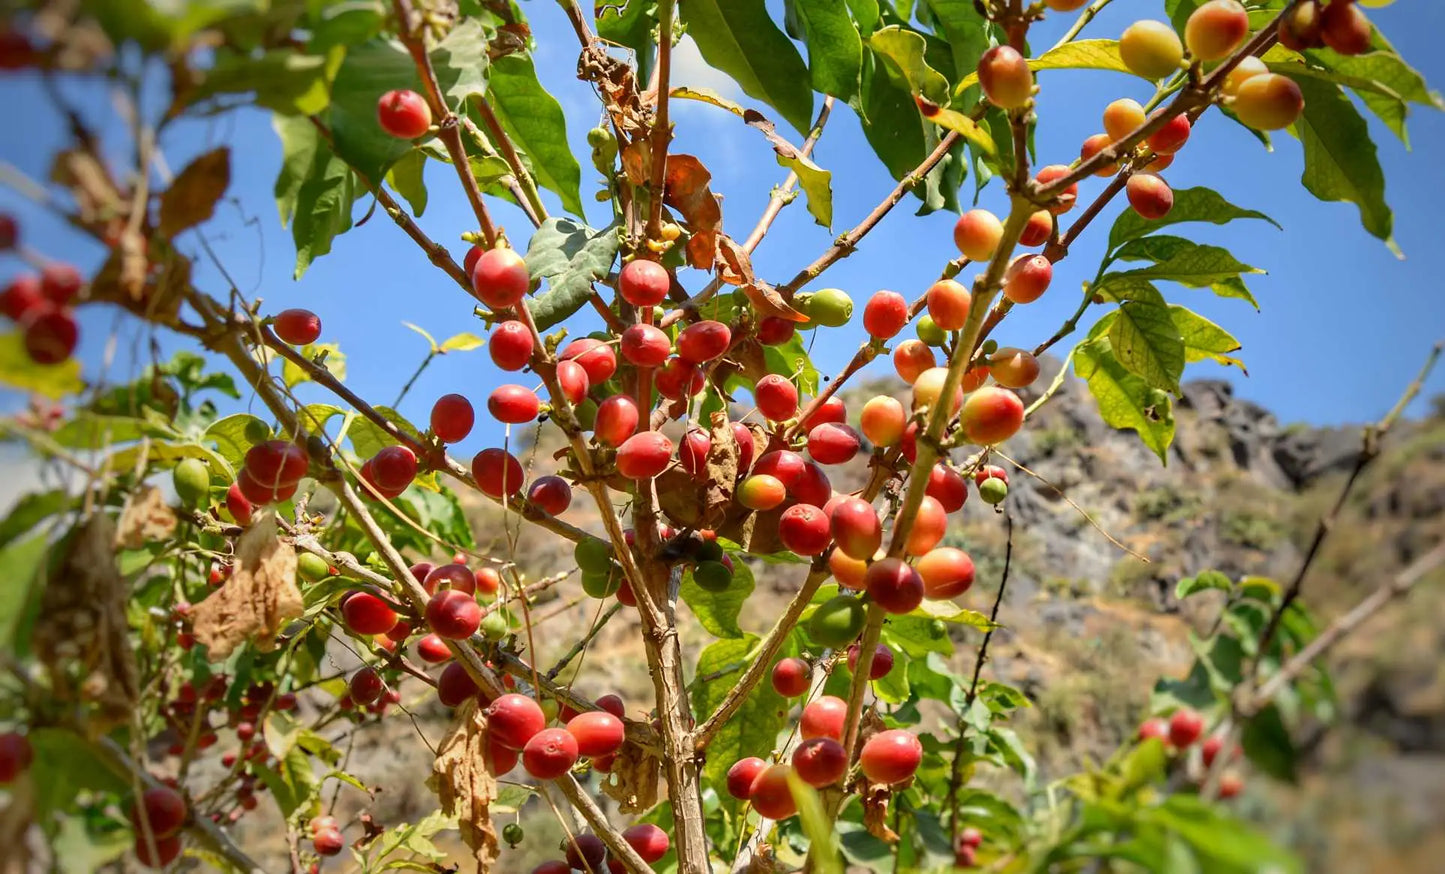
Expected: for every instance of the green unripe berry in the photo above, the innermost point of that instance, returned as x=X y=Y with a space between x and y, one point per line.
x=257 y=431
x=602 y=585
x=593 y=555
x=512 y=834
x=311 y=568
x=192 y=480
x=829 y=307
x=709 y=550
x=929 y=332
x=993 y=490
x=713 y=576
x=494 y=625
x=989 y=347
x=837 y=621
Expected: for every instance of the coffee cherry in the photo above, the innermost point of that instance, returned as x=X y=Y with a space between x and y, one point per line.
x=617 y=419
x=644 y=455
x=703 y=341
x=804 y=529
x=365 y=686
x=9 y=232
x=643 y=283
x=1066 y=199
x=1014 y=368
x=238 y=505
x=857 y=528
x=452 y=418
x=161 y=811
x=1040 y=226
x=497 y=472
x=1230 y=785
x=993 y=491
x=741 y=776
x=1151 y=49
x=1027 y=278
x=394 y=467
x=776 y=397
x=837 y=621
x=1248 y=67
x=1005 y=77
x=977 y=234
x=297 y=327
x=432 y=650
x=572 y=380
x=770 y=794
x=514 y=719
x=912 y=357
x=595 y=356
x=829 y=307
x=16 y=755
x=929 y=526
x=744 y=439
x=166 y=850
x=1152 y=728
x=500 y=278
x=775 y=331
x=403 y=114
x=453 y=575
x=1151 y=197
x=550 y=494
x=1065 y=5
x=60 y=283
x=1093 y=146
x=881 y=665
x=679 y=378
x=946 y=572
x=511 y=345
x=453 y=615
x=366 y=614
x=948 y=304
x=455 y=685
x=598 y=733
x=928 y=390
x=1216 y=29
x=832 y=443
x=51 y=334
x=761 y=492
x=883 y=420
x=549 y=753
x=1123 y=117
x=1268 y=101
x=991 y=415
x=894 y=586
x=645 y=345
x=21 y=296
x=328 y=842
x=820 y=761
x=1301 y=26
x=1171 y=137
x=885 y=315
x=825 y=716
x=830 y=411
x=947 y=487
x=792 y=677
x=890 y=756
x=585 y=852
x=1185 y=727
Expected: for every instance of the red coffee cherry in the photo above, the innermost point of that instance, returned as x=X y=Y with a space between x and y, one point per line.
x=432 y=650
x=775 y=331
x=617 y=419
x=947 y=573
x=549 y=753
x=449 y=576
x=833 y=443
x=453 y=615
x=393 y=468
x=452 y=418
x=770 y=794
x=497 y=472
x=511 y=345
x=890 y=756
x=550 y=494
x=948 y=305
x=791 y=677
x=403 y=114
x=856 y=528
x=881 y=665
x=167 y=850
x=648 y=840
x=514 y=719
x=60 y=283
x=598 y=733
x=820 y=761
x=824 y=717
x=885 y=314
x=513 y=404
x=776 y=397
x=703 y=341
x=585 y=852
x=161 y=811
x=894 y=586
x=1185 y=727
x=366 y=614
x=1038 y=229
x=643 y=283
x=1151 y=197
x=644 y=455
x=328 y=842
x=365 y=686
x=947 y=487
x=22 y=295
x=678 y=378
x=297 y=326
x=51 y=333
x=572 y=380
x=276 y=463
x=595 y=356
x=991 y=415
x=1155 y=728
x=500 y=278
x=803 y=528
x=645 y=345
x=455 y=685
x=742 y=775
x=1066 y=198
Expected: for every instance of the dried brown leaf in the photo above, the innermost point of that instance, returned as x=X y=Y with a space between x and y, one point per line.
x=81 y=631
x=722 y=471
x=686 y=191
x=768 y=302
x=259 y=598
x=736 y=265
x=193 y=195
x=632 y=782
x=146 y=518
x=463 y=785
x=875 y=812
x=96 y=195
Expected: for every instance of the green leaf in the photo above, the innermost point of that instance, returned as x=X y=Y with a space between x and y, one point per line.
x=314 y=190
x=535 y=122
x=284 y=80
x=30 y=510
x=334 y=362
x=1183 y=261
x=753 y=730
x=958 y=22
x=229 y=435
x=947 y=611
x=791 y=359
x=368 y=438
x=18 y=371
x=65 y=766
x=892 y=124
x=1203 y=340
x=835 y=52
x=82 y=845
x=917 y=636
x=1082 y=54
x=570 y=256
x=1222 y=844
x=739 y=38
x=165 y=455
x=463 y=342
x=1203 y=582
x=1384 y=82
x=405 y=178
x=1267 y=743
x=1340 y=162
x=822 y=839
x=1125 y=400
x=1146 y=342
x=717 y=612
x=19 y=566
x=1190 y=205
x=817 y=185
x=430 y=340
x=92 y=431
x=461 y=59
x=630 y=23
x=903 y=50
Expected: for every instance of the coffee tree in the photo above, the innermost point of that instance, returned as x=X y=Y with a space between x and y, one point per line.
x=194 y=573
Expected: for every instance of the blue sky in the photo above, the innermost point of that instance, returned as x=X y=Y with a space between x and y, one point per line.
x=1344 y=324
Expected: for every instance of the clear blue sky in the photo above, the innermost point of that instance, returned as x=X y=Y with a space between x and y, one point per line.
x=1343 y=326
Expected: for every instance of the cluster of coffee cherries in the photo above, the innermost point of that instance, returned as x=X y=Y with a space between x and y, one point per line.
x=40 y=304
x=586 y=852
x=1180 y=732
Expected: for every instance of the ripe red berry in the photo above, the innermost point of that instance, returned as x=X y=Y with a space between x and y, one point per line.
x=1005 y=77
x=824 y=717
x=511 y=345
x=500 y=278
x=403 y=114
x=60 y=283
x=617 y=419
x=644 y=455
x=365 y=686
x=1027 y=278
x=1185 y=727
x=770 y=794
x=550 y=494
x=612 y=703
x=947 y=486
x=881 y=665
x=1230 y=785
x=679 y=378
x=777 y=397
x=775 y=331
x=161 y=810
x=791 y=677
x=947 y=572
x=991 y=415
x=645 y=345
x=448 y=576
x=22 y=295
x=16 y=755
x=238 y=505
x=820 y=761
x=856 y=528
x=514 y=719
x=833 y=443
x=643 y=283
x=166 y=850
x=1151 y=196
x=393 y=468
x=692 y=453
x=549 y=753
x=894 y=586
x=598 y=733
x=572 y=380
x=803 y=528
x=595 y=356
x=366 y=614
x=742 y=774
x=328 y=842
x=890 y=756
x=885 y=314
x=585 y=852
x=452 y=418
x=1066 y=198
x=453 y=615
x=703 y=341
x=1038 y=229
x=432 y=649
x=1172 y=136
x=455 y=685
x=497 y=472
x=911 y=358
x=297 y=327
x=513 y=404
x=948 y=305
x=276 y=463
x=1156 y=728
x=648 y=840
x=51 y=333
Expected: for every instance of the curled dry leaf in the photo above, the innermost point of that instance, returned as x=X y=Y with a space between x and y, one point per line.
x=686 y=190
x=632 y=782
x=97 y=198
x=722 y=471
x=192 y=197
x=769 y=302
x=463 y=785
x=145 y=519
x=875 y=812
x=80 y=632
x=259 y=598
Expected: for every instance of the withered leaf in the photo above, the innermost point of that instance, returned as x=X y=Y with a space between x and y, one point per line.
x=736 y=264
x=259 y=598
x=81 y=629
x=463 y=785
x=722 y=470
x=686 y=190
x=96 y=195
x=146 y=518
x=192 y=197
x=632 y=782
x=875 y=812
x=768 y=302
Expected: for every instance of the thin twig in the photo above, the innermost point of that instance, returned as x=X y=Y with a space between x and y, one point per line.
x=1082 y=512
